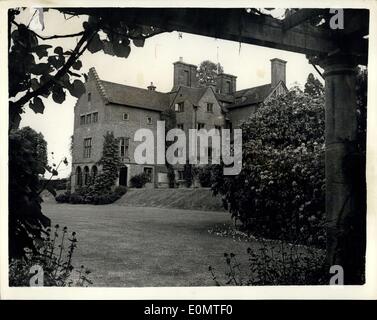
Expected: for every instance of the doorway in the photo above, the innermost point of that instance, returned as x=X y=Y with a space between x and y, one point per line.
x=123 y=176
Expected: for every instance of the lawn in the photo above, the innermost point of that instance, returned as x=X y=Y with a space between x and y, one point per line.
x=141 y=247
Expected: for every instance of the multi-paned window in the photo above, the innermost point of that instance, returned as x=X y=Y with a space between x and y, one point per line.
x=123 y=149
x=179 y=107
x=87 y=147
x=210 y=107
x=89 y=118
x=228 y=87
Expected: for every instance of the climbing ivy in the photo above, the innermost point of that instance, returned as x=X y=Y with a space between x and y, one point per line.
x=110 y=162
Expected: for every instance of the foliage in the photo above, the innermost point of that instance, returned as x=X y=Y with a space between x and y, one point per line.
x=313 y=86
x=280 y=191
x=54 y=255
x=100 y=190
x=26 y=163
x=82 y=197
x=37 y=68
x=204 y=176
x=139 y=180
x=110 y=162
x=121 y=190
x=57 y=184
x=188 y=174
x=207 y=73
x=275 y=264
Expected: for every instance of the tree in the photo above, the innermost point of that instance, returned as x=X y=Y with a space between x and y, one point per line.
x=207 y=73
x=27 y=161
x=39 y=70
x=110 y=162
x=280 y=190
x=313 y=86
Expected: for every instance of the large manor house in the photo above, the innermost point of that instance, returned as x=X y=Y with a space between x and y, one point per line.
x=122 y=109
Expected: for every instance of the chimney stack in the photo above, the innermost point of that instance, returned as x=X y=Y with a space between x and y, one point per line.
x=277 y=71
x=185 y=74
x=226 y=83
x=151 y=87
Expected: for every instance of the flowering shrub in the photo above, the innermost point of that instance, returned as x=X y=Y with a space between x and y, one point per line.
x=280 y=192
x=277 y=264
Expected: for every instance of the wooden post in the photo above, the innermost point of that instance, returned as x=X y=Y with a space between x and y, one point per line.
x=344 y=197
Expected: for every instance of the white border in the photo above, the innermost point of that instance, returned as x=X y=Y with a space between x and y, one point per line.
x=367 y=291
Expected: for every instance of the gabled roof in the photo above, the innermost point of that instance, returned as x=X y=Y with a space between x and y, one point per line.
x=251 y=96
x=228 y=98
x=192 y=94
x=135 y=97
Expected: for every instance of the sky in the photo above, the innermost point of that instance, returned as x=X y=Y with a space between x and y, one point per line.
x=153 y=62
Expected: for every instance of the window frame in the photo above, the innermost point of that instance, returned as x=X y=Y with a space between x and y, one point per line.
x=149 y=120
x=210 y=104
x=87 y=148
x=88 y=118
x=127 y=116
x=95 y=117
x=179 y=107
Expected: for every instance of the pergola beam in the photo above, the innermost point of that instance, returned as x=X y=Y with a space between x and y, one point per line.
x=299 y=17
x=230 y=24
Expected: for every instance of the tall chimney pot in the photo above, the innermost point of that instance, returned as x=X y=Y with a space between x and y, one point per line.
x=278 y=72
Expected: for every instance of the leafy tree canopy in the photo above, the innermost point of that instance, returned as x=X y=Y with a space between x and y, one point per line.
x=313 y=86
x=38 y=69
x=207 y=72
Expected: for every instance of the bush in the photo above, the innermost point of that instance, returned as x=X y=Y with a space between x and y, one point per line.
x=139 y=180
x=204 y=176
x=280 y=191
x=83 y=198
x=57 y=184
x=275 y=264
x=121 y=190
x=63 y=198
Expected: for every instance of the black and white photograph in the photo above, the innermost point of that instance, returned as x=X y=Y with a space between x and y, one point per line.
x=188 y=147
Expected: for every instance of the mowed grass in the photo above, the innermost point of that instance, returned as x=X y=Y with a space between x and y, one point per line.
x=143 y=247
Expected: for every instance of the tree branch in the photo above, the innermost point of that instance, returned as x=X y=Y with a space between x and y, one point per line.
x=54 y=36
x=87 y=36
